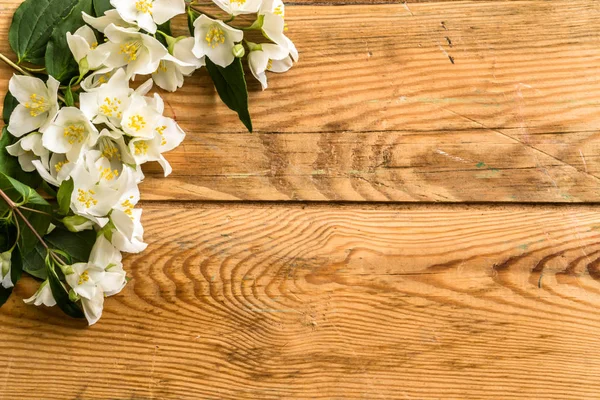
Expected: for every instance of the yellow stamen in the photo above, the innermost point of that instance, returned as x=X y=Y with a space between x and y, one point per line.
x=137 y=122
x=86 y=197
x=111 y=107
x=37 y=105
x=130 y=50
x=128 y=206
x=144 y=6
x=60 y=164
x=74 y=133
x=108 y=174
x=161 y=132
x=215 y=36
x=84 y=277
x=162 y=66
x=141 y=147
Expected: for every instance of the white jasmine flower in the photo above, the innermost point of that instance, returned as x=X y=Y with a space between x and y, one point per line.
x=101 y=276
x=148 y=13
x=109 y=17
x=5 y=267
x=70 y=132
x=237 y=7
x=113 y=148
x=129 y=232
x=106 y=103
x=96 y=188
x=140 y=119
x=38 y=104
x=173 y=68
x=84 y=46
x=158 y=134
x=268 y=57
x=58 y=170
x=141 y=53
x=28 y=149
x=273 y=27
x=42 y=296
x=97 y=78
x=215 y=40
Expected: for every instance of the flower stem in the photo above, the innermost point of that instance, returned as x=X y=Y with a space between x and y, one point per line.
x=13 y=65
x=34 y=210
x=17 y=210
x=14 y=207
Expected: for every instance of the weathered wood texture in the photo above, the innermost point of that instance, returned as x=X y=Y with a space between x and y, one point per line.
x=289 y=302
x=376 y=110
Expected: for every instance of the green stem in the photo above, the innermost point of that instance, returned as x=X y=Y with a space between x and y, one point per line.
x=38 y=70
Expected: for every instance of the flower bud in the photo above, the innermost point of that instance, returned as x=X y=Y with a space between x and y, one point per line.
x=5 y=264
x=77 y=223
x=238 y=50
x=68 y=270
x=84 y=66
x=74 y=297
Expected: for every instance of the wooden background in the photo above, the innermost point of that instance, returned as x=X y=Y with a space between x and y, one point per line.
x=415 y=217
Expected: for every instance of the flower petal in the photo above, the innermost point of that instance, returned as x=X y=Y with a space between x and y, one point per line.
x=21 y=121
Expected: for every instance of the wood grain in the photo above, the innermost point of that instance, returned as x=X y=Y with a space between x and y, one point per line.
x=376 y=111
x=322 y=302
x=465 y=166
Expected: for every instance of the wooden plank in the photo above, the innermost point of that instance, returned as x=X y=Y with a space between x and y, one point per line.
x=525 y=79
x=322 y=302
x=465 y=166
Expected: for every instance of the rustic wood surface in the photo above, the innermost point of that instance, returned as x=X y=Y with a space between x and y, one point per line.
x=247 y=292
x=352 y=302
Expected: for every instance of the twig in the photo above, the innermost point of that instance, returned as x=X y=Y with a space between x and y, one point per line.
x=23 y=72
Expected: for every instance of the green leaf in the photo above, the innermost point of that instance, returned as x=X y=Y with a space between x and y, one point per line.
x=16 y=266
x=8 y=235
x=10 y=103
x=64 y=197
x=32 y=26
x=101 y=6
x=4 y=294
x=77 y=245
x=10 y=166
x=59 y=59
x=231 y=86
x=62 y=296
x=39 y=220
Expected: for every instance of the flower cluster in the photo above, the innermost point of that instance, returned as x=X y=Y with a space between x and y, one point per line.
x=88 y=143
x=98 y=147
x=132 y=32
